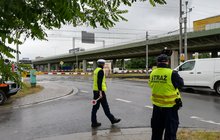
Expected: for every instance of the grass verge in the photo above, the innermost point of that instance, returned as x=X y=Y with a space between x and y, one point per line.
x=197 y=135
x=27 y=90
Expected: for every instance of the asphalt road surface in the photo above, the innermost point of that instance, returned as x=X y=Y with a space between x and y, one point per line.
x=128 y=100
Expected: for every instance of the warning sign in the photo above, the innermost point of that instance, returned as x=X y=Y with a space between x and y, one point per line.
x=182 y=57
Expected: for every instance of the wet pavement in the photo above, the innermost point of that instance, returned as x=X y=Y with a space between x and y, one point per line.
x=58 y=118
x=49 y=93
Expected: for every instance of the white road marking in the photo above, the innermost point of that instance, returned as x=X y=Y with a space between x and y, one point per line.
x=43 y=82
x=126 y=101
x=148 y=106
x=202 y=120
x=84 y=91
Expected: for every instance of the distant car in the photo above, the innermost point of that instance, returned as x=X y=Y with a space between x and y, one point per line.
x=119 y=70
x=89 y=69
x=8 y=89
x=149 y=70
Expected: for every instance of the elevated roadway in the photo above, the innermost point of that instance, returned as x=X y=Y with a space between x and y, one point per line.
x=200 y=41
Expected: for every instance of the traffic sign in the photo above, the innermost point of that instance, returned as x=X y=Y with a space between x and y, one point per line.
x=61 y=63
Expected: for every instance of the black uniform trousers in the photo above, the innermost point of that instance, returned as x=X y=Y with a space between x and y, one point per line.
x=104 y=103
x=164 y=119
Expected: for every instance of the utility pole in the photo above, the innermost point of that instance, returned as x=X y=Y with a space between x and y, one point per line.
x=147 y=52
x=17 y=53
x=75 y=52
x=74 y=43
x=103 y=43
x=185 y=32
x=17 y=49
x=180 y=24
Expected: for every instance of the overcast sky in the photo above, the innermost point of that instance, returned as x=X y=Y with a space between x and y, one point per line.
x=141 y=17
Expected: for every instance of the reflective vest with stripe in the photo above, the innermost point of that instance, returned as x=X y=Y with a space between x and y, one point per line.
x=163 y=91
x=95 y=80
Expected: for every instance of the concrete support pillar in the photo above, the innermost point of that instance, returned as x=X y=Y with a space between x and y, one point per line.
x=174 y=60
x=73 y=65
x=214 y=54
x=189 y=55
x=113 y=63
x=38 y=68
x=45 y=67
x=94 y=64
x=123 y=63
x=48 y=67
x=56 y=67
x=84 y=65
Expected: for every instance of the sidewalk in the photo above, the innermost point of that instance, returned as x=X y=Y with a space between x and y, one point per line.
x=49 y=93
x=111 y=134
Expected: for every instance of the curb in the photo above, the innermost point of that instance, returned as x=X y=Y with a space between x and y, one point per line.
x=72 y=92
x=112 y=133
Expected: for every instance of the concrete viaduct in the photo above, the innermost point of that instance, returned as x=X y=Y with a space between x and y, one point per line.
x=200 y=41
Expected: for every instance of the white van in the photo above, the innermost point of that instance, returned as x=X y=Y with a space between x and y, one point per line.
x=201 y=73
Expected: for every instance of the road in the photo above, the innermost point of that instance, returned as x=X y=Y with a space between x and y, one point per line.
x=128 y=100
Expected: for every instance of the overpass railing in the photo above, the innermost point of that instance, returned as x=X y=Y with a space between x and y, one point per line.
x=171 y=33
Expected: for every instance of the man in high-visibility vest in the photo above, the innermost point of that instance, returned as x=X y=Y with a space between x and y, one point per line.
x=166 y=99
x=99 y=89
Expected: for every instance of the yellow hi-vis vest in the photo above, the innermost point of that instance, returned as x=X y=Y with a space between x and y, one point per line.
x=95 y=80
x=163 y=91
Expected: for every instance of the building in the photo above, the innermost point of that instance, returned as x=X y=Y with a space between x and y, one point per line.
x=207 y=23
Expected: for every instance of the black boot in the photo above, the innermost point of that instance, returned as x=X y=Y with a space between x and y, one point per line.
x=96 y=124
x=115 y=121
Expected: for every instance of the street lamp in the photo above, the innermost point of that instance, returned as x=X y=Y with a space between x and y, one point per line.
x=17 y=49
x=180 y=35
x=146 y=52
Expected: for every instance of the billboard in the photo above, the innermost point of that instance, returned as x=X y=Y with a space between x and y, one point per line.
x=88 y=37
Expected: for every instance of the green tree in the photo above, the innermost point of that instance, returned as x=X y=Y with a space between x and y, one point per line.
x=31 y=18
x=136 y=63
x=6 y=72
x=140 y=63
x=204 y=55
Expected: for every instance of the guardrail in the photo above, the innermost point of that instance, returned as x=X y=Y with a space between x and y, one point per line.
x=87 y=73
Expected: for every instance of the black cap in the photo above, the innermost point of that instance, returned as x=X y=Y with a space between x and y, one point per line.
x=162 y=58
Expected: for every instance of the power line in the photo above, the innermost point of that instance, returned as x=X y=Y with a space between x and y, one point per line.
x=111 y=33
x=156 y=8
x=98 y=32
x=114 y=28
x=95 y=37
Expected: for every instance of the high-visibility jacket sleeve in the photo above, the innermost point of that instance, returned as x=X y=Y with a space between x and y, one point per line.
x=100 y=78
x=177 y=81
